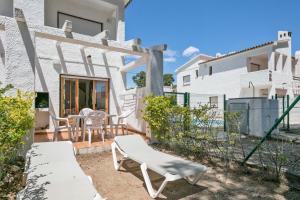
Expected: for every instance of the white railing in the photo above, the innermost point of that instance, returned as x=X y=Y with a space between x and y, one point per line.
x=296 y=87
x=258 y=78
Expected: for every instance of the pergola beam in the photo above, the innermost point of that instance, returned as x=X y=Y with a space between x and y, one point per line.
x=103 y=35
x=134 y=64
x=130 y=47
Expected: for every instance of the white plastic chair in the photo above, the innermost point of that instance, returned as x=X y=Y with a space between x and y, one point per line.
x=121 y=121
x=57 y=127
x=94 y=121
x=85 y=111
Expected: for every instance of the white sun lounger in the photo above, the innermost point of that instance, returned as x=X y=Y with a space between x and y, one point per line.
x=53 y=173
x=171 y=167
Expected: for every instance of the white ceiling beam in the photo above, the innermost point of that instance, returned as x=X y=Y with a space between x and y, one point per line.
x=134 y=64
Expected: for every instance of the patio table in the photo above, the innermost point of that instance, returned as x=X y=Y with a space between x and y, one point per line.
x=82 y=117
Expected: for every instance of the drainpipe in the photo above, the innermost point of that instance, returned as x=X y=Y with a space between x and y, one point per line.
x=253 y=88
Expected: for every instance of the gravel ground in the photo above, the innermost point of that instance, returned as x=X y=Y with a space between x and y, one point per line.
x=215 y=184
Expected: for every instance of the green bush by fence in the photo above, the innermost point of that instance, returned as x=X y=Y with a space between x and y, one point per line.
x=193 y=132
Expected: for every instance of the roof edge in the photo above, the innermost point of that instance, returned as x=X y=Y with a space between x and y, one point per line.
x=193 y=60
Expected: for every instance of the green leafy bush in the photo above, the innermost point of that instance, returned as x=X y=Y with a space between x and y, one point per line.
x=16 y=118
x=184 y=129
x=156 y=113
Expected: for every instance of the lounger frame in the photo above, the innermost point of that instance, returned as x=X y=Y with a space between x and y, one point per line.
x=168 y=177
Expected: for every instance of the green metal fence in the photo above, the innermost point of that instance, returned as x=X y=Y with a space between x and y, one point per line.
x=216 y=101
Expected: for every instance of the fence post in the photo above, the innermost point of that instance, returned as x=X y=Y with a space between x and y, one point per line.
x=288 y=115
x=185 y=99
x=224 y=116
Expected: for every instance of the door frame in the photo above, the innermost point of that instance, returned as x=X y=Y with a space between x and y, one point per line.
x=77 y=77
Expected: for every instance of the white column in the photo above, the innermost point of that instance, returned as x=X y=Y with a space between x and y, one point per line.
x=271 y=61
x=154 y=75
x=154 y=70
x=120 y=23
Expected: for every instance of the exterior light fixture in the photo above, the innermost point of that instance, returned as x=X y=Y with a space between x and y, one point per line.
x=89 y=58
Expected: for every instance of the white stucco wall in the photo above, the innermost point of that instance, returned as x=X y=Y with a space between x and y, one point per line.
x=19 y=55
x=19 y=61
x=32 y=9
x=73 y=62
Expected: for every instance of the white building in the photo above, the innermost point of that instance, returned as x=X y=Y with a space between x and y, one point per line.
x=260 y=71
x=71 y=54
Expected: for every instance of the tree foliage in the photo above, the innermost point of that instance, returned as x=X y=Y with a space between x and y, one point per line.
x=140 y=79
x=168 y=79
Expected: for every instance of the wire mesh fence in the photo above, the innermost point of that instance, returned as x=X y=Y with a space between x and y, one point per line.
x=291 y=123
x=238 y=139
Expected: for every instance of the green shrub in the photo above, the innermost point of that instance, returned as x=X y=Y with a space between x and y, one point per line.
x=156 y=113
x=16 y=118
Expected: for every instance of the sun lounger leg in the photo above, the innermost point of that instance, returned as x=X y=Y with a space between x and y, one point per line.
x=150 y=189
x=114 y=155
x=194 y=180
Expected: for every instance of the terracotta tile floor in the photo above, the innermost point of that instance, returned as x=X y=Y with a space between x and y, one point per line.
x=96 y=139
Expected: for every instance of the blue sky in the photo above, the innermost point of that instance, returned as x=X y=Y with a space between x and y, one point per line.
x=209 y=27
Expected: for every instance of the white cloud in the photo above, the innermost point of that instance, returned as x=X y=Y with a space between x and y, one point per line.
x=170 y=55
x=190 y=51
x=170 y=59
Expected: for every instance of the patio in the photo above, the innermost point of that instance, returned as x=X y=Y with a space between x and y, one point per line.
x=83 y=147
x=217 y=183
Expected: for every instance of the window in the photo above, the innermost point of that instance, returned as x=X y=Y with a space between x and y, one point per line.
x=42 y=100
x=210 y=70
x=79 y=24
x=213 y=101
x=186 y=80
x=77 y=93
x=197 y=73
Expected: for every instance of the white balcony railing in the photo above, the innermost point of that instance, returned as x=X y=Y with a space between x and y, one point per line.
x=258 y=78
x=265 y=78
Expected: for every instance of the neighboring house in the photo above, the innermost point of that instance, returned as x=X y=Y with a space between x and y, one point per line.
x=71 y=54
x=260 y=71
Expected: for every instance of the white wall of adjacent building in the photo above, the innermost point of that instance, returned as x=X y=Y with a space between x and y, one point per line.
x=234 y=75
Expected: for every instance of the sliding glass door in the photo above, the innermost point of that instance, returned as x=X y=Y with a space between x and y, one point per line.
x=79 y=92
x=69 y=96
